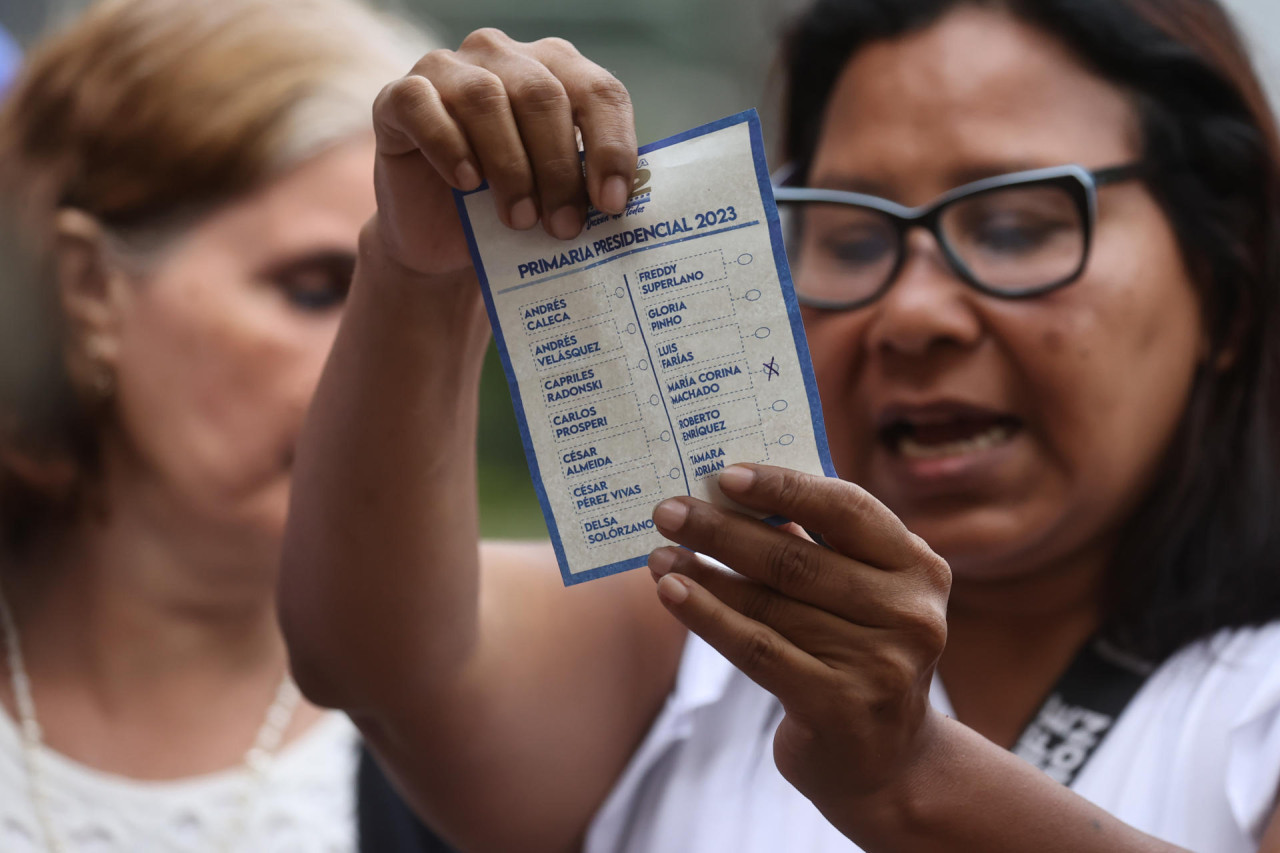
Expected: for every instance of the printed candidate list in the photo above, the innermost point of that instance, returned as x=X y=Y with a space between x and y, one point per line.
x=658 y=347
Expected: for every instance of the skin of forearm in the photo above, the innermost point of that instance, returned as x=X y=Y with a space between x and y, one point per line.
x=966 y=793
x=1271 y=838
x=380 y=569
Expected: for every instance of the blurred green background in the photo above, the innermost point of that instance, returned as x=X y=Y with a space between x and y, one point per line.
x=685 y=62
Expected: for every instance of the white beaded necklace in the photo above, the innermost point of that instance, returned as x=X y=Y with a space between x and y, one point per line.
x=256 y=760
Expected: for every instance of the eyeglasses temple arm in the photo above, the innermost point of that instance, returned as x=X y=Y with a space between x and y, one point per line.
x=1115 y=174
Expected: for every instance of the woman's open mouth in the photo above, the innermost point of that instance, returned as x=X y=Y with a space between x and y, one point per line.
x=938 y=432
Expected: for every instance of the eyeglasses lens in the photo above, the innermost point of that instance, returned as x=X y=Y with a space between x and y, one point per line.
x=839 y=253
x=1017 y=239
x=1013 y=240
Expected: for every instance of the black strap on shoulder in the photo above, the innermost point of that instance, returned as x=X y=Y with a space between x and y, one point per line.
x=1080 y=710
x=385 y=823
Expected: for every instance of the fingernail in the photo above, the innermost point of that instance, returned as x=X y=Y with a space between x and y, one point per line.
x=736 y=478
x=565 y=223
x=613 y=194
x=466 y=177
x=524 y=214
x=661 y=561
x=670 y=515
x=673 y=589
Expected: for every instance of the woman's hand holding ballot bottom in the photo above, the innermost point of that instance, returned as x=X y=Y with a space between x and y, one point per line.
x=846 y=636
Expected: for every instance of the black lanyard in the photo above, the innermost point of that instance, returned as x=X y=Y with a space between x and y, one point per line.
x=1080 y=710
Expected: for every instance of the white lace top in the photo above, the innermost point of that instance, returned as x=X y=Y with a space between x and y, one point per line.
x=305 y=803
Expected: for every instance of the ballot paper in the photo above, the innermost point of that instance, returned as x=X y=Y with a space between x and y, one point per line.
x=658 y=347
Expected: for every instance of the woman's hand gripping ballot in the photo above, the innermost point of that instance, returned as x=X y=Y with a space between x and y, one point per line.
x=505 y=112
x=846 y=636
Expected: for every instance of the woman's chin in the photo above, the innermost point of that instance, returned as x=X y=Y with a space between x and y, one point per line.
x=980 y=543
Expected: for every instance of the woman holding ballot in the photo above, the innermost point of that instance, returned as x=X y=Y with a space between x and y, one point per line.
x=1036 y=246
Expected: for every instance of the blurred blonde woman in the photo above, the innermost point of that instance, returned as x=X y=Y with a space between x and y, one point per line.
x=187 y=180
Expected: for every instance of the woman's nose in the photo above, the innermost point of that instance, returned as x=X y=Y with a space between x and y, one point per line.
x=928 y=307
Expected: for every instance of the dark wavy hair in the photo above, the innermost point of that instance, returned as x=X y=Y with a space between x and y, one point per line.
x=1202 y=552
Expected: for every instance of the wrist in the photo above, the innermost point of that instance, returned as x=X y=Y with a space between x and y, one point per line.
x=906 y=807
x=446 y=306
x=943 y=801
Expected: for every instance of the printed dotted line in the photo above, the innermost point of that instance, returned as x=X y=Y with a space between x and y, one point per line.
x=683 y=294
x=725 y=401
x=791 y=384
x=668 y=447
x=669 y=443
x=736 y=434
x=574 y=323
x=630 y=384
x=651 y=374
x=586 y=361
x=536 y=341
x=759 y=424
x=724 y=268
x=592 y=359
x=569 y=325
x=718 y=361
x=633 y=502
x=564 y=473
x=568 y=403
x=720 y=291
x=625 y=468
x=728 y=359
x=729 y=458
x=727 y=435
x=754 y=393
x=695 y=400
x=684 y=327
x=681 y=337
x=613 y=395
x=615 y=507
x=630 y=537
x=715 y=358
x=768 y=456
x=755 y=388
x=619 y=506
x=606 y=432
x=565 y=295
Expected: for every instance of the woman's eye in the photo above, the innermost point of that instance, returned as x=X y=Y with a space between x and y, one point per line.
x=317 y=284
x=856 y=249
x=1015 y=236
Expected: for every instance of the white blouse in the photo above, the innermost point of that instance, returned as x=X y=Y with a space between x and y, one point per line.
x=304 y=804
x=1194 y=760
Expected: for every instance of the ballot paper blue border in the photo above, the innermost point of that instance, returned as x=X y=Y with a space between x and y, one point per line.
x=752 y=120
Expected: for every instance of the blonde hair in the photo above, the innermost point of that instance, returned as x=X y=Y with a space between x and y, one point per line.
x=144 y=108
x=147 y=114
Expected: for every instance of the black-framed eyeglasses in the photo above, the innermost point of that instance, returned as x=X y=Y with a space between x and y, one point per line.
x=1012 y=236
